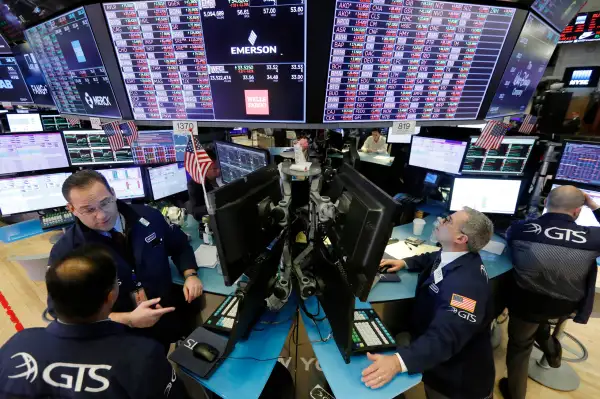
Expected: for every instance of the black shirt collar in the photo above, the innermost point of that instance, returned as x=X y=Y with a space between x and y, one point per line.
x=92 y=330
x=557 y=216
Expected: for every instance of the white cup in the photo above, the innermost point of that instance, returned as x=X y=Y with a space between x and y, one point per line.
x=418 y=226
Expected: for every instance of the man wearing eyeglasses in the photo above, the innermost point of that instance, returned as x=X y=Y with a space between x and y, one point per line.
x=141 y=242
x=450 y=322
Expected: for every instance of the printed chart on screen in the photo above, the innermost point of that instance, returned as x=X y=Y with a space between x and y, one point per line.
x=585 y=27
x=29 y=152
x=91 y=147
x=525 y=68
x=127 y=182
x=216 y=60
x=586 y=217
x=66 y=51
x=32 y=193
x=167 y=180
x=12 y=84
x=509 y=159
x=430 y=60
x=580 y=162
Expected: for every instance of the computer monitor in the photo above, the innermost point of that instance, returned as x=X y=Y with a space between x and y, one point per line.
x=362 y=227
x=510 y=159
x=57 y=123
x=241 y=223
x=127 y=182
x=582 y=76
x=13 y=88
x=157 y=146
x=586 y=217
x=226 y=61
x=437 y=154
x=91 y=147
x=167 y=180
x=236 y=161
x=580 y=162
x=19 y=123
x=32 y=193
x=32 y=73
x=28 y=152
x=431 y=179
x=492 y=195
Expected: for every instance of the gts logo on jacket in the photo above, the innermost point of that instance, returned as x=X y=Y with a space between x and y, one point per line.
x=556 y=233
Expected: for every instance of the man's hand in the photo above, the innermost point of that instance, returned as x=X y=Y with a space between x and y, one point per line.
x=589 y=202
x=192 y=288
x=382 y=371
x=144 y=316
x=395 y=264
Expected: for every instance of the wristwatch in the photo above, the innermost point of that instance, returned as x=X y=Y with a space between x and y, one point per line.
x=191 y=274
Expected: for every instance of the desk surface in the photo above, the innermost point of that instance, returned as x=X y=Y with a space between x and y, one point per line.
x=344 y=379
x=383 y=292
x=242 y=377
x=379 y=159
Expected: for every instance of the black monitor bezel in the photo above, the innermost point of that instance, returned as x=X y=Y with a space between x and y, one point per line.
x=7 y=177
x=151 y=187
x=518 y=200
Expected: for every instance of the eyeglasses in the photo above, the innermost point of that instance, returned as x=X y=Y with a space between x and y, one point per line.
x=104 y=205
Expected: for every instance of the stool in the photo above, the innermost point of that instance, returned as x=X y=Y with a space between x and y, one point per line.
x=563 y=378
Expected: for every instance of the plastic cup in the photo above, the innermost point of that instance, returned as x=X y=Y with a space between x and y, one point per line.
x=418 y=226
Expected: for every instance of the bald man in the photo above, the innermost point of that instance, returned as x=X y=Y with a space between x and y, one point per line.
x=554 y=277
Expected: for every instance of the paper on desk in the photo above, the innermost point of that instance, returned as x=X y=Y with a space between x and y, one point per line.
x=206 y=256
x=382 y=157
x=401 y=250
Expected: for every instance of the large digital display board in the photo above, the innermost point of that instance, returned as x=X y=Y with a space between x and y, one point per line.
x=217 y=60
x=412 y=59
x=557 y=12
x=33 y=74
x=68 y=55
x=583 y=28
x=12 y=84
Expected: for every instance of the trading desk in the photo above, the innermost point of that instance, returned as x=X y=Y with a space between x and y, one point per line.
x=378 y=159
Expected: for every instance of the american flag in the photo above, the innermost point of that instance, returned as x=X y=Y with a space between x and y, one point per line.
x=130 y=131
x=462 y=302
x=492 y=135
x=528 y=124
x=115 y=137
x=197 y=162
x=72 y=121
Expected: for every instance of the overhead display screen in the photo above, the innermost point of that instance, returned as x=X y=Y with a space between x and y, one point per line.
x=12 y=85
x=66 y=51
x=557 y=12
x=581 y=76
x=583 y=28
x=430 y=60
x=509 y=159
x=218 y=60
x=33 y=74
x=525 y=68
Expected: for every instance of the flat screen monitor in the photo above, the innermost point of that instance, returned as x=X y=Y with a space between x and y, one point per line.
x=429 y=61
x=525 y=68
x=437 y=154
x=159 y=146
x=38 y=88
x=510 y=159
x=57 y=123
x=237 y=161
x=13 y=88
x=4 y=47
x=586 y=217
x=581 y=76
x=499 y=196
x=557 y=13
x=28 y=152
x=167 y=180
x=580 y=162
x=214 y=60
x=32 y=193
x=394 y=138
x=18 y=123
x=127 y=182
x=583 y=28
x=67 y=53
x=91 y=147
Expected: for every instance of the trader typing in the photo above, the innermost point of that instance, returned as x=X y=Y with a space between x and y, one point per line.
x=450 y=322
x=375 y=143
x=83 y=353
x=554 y=276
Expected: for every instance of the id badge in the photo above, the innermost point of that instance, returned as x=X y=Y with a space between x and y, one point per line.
x=138 y=296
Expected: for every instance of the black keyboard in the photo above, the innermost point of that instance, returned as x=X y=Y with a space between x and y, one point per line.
x=369 y=333
x=57 y=219
x=405 y=199
x=223 y=318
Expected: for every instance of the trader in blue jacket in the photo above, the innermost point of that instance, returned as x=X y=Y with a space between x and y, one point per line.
x=83 y=354
x=450 y=322
x=141 y=241
x=554 y=277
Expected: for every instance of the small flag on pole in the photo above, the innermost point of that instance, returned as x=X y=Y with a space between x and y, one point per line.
x=492 y=135
x=130 y=132
x=115 y=137
x=197 y=161
x=72 y=121
x=528 y=124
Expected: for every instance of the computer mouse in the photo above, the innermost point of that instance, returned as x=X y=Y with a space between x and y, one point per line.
x=384 y=269
x=205 y=352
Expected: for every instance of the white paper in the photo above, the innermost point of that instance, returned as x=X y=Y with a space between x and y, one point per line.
x=96 y=123
x=401 y=250
x=494 y=247
x=404 y=127
x=382 y=157
x=206 y=256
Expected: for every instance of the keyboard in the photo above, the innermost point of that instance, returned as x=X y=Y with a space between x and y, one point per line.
x=369 y=333
x=56 y=219
x=405 y=199
x=223 y=318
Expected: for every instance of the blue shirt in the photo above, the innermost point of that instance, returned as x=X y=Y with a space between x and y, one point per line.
x=118 y=227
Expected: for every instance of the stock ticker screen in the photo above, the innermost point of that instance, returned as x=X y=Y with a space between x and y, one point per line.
x=67 y=53
x=12 y=84
x=412 y=59
x=580 y=162
x=558 y=12
x=509 y=159
x=583 y=28
x=222 y=60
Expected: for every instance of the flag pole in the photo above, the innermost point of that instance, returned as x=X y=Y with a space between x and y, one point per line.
x=200 y=170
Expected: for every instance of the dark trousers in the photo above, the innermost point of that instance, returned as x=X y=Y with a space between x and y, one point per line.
x=433 y=394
